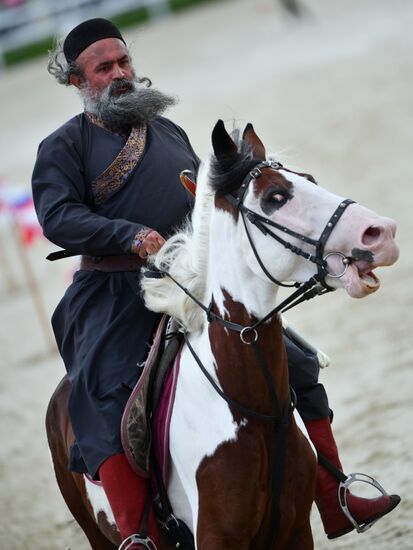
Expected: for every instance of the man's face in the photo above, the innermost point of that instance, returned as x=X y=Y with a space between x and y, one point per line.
x=102 y=63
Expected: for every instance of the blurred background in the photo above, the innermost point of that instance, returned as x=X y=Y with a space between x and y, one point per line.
x=29 y=27
x=328 y=86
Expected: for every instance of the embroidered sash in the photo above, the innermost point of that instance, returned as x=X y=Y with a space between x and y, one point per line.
x=117 y=173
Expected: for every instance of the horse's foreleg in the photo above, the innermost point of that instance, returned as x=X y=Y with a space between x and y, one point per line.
x=222 y=542
x=217 y=531
x=233 y=495
x=300 y=538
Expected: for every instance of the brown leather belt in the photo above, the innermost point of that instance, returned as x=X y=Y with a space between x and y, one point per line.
x=111 y=264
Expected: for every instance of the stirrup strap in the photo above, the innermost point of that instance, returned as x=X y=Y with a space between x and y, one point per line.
x=329 y=466
x=146 y=542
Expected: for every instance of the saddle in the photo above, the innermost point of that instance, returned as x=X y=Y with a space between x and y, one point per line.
x=147 y=415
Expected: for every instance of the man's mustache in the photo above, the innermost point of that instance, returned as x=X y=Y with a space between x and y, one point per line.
x=126 y=103
x=123 y=84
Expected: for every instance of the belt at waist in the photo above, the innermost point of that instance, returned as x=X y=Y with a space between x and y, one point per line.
x=111 y=263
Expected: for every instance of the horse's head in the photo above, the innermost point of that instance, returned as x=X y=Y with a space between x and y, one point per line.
x=291 y=228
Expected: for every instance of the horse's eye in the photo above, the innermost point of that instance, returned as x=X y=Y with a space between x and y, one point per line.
x=276 y=198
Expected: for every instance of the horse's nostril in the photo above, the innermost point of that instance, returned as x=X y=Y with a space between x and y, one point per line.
x=371 y=235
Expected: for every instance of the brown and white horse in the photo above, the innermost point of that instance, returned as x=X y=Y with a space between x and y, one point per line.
x=238 y=478
x=244 y=223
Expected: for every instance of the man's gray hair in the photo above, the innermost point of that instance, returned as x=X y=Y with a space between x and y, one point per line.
x=58 y=67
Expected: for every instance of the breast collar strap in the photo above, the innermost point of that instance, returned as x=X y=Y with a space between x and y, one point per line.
x=262 y=224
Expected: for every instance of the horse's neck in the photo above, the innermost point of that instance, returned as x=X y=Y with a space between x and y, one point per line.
x=240 y=367
x=239 y=296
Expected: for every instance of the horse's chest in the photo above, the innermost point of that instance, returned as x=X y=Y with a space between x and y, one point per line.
x=199 y=413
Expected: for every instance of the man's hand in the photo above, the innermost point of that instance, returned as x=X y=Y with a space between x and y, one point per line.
x=151 y=244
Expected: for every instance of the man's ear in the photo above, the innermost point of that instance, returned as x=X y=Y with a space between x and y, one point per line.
x=75 y=80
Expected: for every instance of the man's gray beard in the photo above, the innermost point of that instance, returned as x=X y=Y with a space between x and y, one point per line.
x=138 y=105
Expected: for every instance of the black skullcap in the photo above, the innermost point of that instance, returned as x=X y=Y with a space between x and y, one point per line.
x=87 y=33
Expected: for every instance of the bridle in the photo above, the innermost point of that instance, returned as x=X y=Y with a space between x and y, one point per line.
x=262 y=224
x=314 y=286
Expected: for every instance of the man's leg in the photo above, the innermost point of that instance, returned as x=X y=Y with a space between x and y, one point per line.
x=127 y=494
x=312 y=404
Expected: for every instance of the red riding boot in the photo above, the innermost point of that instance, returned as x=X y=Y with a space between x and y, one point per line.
x=363 y=510
x=127 y=493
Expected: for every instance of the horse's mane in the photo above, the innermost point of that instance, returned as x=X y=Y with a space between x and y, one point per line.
x=185 y=255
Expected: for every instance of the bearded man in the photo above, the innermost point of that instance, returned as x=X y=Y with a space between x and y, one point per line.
x=106 y=186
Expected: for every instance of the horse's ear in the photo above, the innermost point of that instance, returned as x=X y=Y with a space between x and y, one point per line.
x=222 y=142
x=254 y=142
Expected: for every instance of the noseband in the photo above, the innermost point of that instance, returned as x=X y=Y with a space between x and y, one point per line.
x=262 y=224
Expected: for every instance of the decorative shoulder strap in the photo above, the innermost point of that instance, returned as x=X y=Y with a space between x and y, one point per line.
x=117 y=173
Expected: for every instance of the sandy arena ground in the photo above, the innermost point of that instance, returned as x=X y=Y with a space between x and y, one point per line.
x=333 y=92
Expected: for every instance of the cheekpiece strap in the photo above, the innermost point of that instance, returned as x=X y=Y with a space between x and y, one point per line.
x=332 y=223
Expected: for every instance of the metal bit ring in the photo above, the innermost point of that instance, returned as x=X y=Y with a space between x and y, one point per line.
x=346 y=262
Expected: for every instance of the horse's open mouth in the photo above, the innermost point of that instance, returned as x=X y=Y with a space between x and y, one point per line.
x=367 y=276
x=359 y=280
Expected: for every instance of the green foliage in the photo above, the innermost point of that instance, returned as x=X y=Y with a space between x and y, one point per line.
x=177 y=5
x=134 y=17
x=17 y=55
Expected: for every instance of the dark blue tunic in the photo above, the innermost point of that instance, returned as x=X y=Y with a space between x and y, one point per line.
x=101 y=326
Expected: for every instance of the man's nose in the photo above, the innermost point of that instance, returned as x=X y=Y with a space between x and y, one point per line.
x=118 y=72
